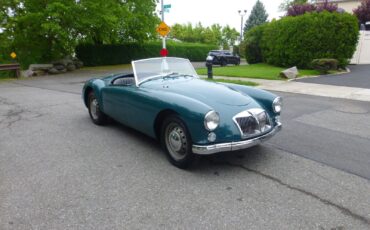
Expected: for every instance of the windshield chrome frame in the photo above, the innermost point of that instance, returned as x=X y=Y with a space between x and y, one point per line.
x=137 y=83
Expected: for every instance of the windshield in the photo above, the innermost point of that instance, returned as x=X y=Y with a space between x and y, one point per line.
x=152 y=68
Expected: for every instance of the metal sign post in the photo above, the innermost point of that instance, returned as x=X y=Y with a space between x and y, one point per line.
x=164 y=37
x=163 y=29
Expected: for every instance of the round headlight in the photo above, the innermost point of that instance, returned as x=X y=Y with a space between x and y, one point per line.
x=211 y=120
x=277 y=104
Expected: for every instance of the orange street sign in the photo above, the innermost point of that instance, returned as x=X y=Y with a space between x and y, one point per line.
x=13 y=55
x=163 y=29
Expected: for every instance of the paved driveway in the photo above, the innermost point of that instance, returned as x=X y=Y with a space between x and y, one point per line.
x=359 y=77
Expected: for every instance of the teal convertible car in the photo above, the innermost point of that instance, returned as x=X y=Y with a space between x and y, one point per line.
x=165 y=99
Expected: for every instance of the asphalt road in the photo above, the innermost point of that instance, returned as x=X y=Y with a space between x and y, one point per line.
x=331 y=131
x=359 y=77
x=59 y=171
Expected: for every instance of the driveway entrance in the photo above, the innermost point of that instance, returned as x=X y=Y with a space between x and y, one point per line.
x=359 y=77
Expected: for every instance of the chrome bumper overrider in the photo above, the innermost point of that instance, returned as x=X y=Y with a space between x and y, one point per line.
x=233 y=146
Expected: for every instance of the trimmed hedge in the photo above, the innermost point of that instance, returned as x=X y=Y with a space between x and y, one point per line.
x=95 y=55
x=253 y=37
x=296 y=41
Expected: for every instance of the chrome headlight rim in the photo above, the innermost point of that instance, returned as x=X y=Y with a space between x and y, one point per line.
x=277 y=104
x=211 y=120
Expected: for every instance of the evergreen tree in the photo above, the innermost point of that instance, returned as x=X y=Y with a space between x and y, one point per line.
x=257 y=17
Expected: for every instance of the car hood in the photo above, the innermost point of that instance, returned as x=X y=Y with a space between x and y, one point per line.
x=210 y=93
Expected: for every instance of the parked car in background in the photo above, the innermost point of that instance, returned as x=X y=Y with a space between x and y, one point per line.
x=223 y=57
x=165 y=99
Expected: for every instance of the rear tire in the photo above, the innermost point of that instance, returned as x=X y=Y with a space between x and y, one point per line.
x=96 y=115
x=176 y=142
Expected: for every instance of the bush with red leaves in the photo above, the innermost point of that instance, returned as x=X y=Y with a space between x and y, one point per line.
x=300 y=9
x=330 y=7
x=363 y=12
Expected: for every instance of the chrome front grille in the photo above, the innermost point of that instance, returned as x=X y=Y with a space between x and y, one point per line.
x=252 y=122
x=247 y=124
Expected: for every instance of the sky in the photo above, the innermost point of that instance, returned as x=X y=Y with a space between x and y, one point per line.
x=208 y=12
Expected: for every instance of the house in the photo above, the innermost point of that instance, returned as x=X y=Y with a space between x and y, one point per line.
x=347 y=5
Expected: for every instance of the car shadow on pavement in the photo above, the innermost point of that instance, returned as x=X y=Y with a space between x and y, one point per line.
x=245 y=157
x=250 y=157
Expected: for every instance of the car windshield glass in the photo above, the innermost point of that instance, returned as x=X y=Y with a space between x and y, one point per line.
x=148 y=69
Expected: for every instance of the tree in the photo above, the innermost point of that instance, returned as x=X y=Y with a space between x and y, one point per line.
x=39 y=30
x=229 y=36
x=45 y=30
x=4 y=39
x=363 y=12
x=288 y=3
x=257 y=17
x=214 y=34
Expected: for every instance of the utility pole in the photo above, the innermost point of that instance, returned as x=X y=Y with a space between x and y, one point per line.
x=242 y=14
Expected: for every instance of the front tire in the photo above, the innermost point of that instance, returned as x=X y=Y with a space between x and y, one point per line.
x=176 y=141
x=96 y=115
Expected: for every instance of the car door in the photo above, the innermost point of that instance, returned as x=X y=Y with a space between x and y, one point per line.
x=114 y=102
x=131 y=106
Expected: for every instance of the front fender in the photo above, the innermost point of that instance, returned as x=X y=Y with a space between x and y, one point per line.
x=96 y=85
x=191 y=111
x=263 y=97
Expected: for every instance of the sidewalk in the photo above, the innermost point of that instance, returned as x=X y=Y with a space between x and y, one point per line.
x=343 y=92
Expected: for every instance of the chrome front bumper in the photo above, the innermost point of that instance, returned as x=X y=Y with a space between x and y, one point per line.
x=233 y=146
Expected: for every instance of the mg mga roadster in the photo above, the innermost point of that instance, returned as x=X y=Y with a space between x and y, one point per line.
x=165 y=99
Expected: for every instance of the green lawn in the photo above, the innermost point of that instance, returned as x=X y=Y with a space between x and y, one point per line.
x=260 y=71
x=239 y=82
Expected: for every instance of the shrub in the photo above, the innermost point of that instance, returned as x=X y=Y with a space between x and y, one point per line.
x=296 y=41
x=324 y=65
x=94 y=55
x=363 y=12
x=327 y=6
x=299 y=9
x=253 y=37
